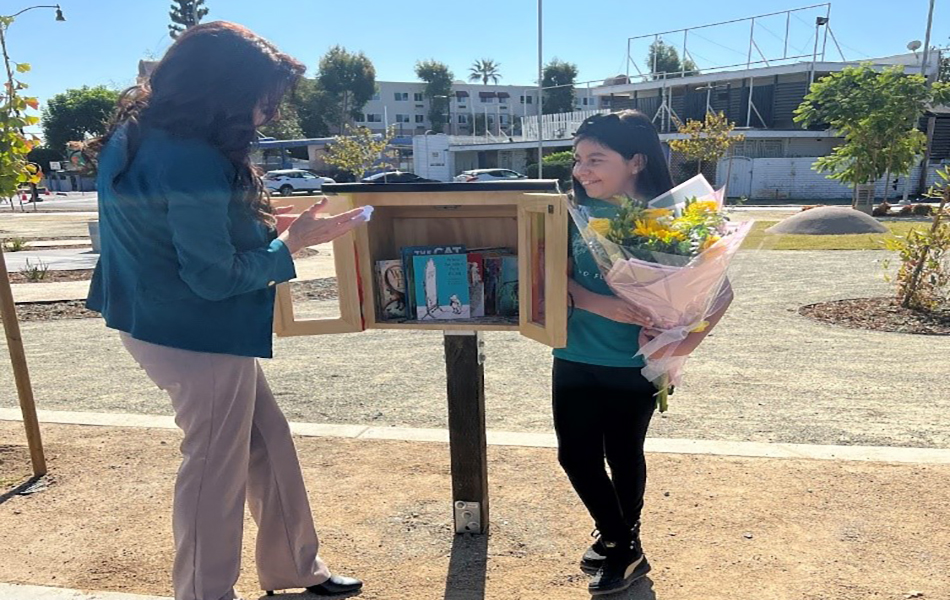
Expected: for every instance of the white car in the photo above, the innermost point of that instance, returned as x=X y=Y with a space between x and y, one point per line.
x=488 y=175
x=288 y=181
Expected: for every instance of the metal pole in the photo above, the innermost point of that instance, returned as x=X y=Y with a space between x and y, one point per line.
x=788 y=24
x=924 y=60
x=683 y=60
x=824 y=44
x=748 y=118
x=656 y=46
x=814 y=56
x=751 y=40
x=540 y=93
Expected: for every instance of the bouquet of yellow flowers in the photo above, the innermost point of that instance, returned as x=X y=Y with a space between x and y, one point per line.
x=671 y=261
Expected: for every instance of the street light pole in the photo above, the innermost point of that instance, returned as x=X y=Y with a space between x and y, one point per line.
x=925 y=58
x=540 y=92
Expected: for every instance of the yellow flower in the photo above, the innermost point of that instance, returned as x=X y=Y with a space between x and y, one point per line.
x=703 y=206
x=647 y=228
x=599 y=226
x=670 y=236
x=709 y=243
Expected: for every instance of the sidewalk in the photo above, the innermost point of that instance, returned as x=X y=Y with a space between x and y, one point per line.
x=715 y=527
x=33 y=592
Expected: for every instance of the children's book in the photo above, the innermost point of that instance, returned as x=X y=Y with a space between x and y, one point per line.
x=476 y=283
x=391 y=289
x=441 y=287
x=407 y=253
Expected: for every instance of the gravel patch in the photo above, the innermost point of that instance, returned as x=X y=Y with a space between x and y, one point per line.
x=766 y=374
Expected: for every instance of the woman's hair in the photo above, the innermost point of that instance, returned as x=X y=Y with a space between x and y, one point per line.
x=208 y=86
x=629 y=133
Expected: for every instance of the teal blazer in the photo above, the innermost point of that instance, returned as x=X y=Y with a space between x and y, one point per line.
x=184 y=263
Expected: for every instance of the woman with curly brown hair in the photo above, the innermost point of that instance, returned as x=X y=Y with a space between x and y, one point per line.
x=190 y=256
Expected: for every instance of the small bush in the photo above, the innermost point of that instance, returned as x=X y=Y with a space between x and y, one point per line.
x=881 y=210
x=906 y=210
x=35 y=272
x=923 y=210
x=14 y=244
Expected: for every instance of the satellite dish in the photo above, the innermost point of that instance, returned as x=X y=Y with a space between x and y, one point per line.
x=914 y=46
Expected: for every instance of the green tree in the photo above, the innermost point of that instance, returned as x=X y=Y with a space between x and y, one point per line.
x=360 y=150
x=877 y=114
x=707 y=140
x=944 y=65
x=348 y=82
x=287 y=125
x=438 y=80
x=663 y=58
x=485 y=70
x=558 y=80
x=310 y=103
x=185 y=14
x=76 y=114
x=15 y=144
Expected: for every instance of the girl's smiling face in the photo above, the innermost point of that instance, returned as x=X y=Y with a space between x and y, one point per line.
x=605 y=173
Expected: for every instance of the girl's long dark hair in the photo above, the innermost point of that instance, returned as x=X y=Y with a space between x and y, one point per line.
x=207 y=87
x=629 y=133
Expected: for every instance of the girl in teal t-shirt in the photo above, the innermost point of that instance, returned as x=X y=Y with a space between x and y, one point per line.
x=602 y=402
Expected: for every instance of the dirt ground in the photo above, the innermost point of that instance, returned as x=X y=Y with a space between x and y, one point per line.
x=714 y=527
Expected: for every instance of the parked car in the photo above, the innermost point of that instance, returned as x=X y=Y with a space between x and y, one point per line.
x=488 y=175
x=288 y=181
x=396 y=177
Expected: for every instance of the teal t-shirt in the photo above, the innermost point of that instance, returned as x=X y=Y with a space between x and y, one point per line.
x=591 y=338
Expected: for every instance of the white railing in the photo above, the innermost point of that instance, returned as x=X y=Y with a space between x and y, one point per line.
x=557 y=126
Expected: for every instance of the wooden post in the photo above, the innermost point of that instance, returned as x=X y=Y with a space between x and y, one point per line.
x=21 y=372
x=465 y=375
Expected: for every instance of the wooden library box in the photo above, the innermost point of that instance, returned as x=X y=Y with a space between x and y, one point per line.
x=486 y=256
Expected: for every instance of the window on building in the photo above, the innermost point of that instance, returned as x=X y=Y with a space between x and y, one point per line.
x=503 y=99
x=505 y=119
x=361 y=118
x=402 y=119
x=420 y=118
x=418 y=97
x=527 y=99
x=487 y=100
x=587 y=101
x=463 y=119
x=376 y=96
x=401 y=96
x=374 y=118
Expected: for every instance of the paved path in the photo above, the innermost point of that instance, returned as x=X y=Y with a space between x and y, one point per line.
x=524 y=439
x=12 y=591
x=50 y=292
x=57 y=260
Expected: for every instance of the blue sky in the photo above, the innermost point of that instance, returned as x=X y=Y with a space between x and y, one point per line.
x=102 y=40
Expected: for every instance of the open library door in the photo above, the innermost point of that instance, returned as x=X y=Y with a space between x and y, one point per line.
x=542 y=268
x=350 y=318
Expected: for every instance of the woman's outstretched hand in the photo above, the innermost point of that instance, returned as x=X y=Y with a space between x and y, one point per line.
x=311 y=228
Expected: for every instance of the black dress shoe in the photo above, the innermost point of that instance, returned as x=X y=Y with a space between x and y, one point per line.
x=334 y=586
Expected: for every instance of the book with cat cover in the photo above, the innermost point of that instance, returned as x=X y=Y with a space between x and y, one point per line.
x=406 y=253
x=441 y=287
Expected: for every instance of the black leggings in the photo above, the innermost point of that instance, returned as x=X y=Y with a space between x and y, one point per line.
x=604 y=412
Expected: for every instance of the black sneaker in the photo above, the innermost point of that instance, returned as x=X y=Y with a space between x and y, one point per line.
x=595 y=556
x=624 y=563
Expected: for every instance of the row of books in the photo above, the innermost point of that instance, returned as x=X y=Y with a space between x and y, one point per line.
x=434 y=283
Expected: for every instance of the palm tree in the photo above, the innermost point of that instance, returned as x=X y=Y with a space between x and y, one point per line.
x=485 y=70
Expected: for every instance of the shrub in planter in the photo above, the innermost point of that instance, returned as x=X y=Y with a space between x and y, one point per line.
x=923 y=210
x=906 y=210
x=881 y=210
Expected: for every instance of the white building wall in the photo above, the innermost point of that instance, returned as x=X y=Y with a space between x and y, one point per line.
x=794 y=179
x=386 y=108
x=431 y=157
